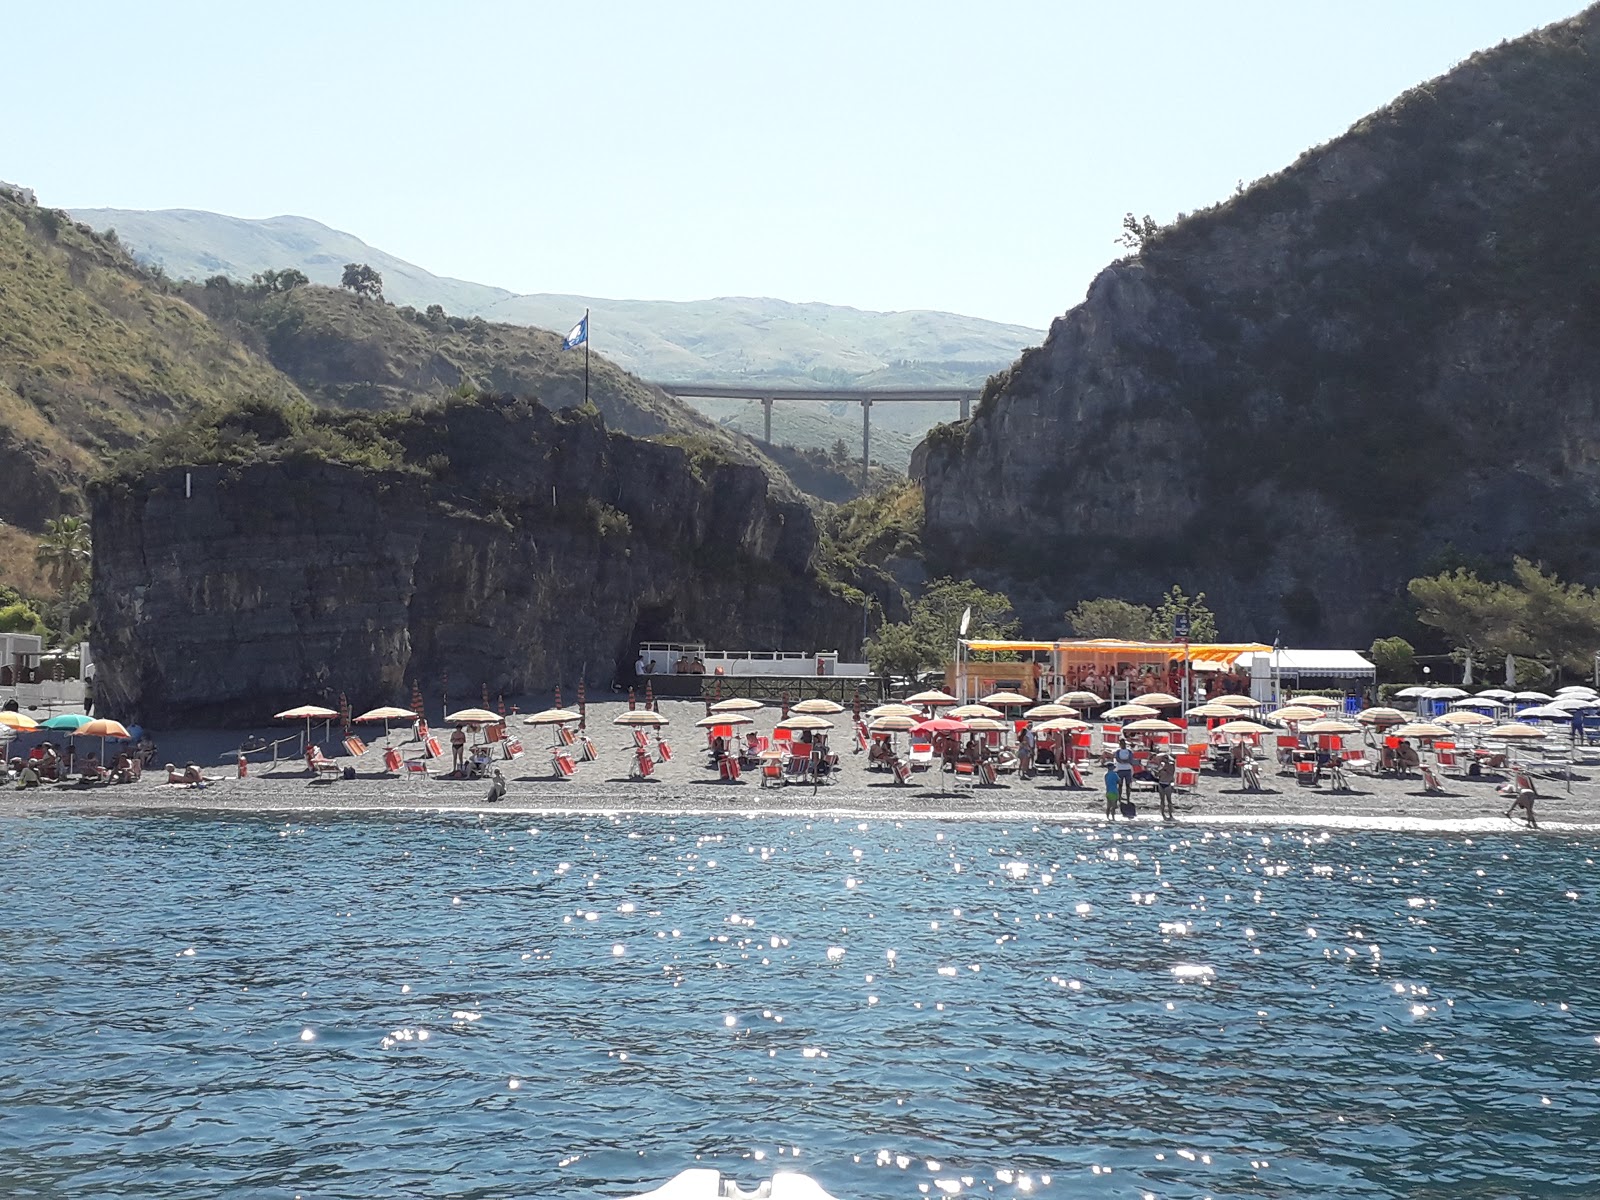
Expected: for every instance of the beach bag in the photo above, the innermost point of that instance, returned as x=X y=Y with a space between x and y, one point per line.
x=1128 y=811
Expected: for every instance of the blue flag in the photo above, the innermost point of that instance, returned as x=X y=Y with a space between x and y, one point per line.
x=577 y=335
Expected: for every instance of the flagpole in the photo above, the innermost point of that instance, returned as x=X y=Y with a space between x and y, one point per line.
x=586 y=356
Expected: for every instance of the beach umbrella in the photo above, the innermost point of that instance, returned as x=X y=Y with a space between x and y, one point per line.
x=1484 y=702
x=1502 y=694
x=737 y=704
x=21 y=722
x=1237 y=701
x=103 y=728
x=1514 y=732
x=1330 y=725
x=892 y=724
x=818 y=707
x=1576 y=687
x=1530 y=696
x=1128 y=710
x=1213 y=709
x=1547 y=712
x=1414 y=692
x=1060 y=725
x=1080 y=699
x=385 y=715
x=639 y=716
x=1326 y=702
x=1048 y=712
x=1006 y=700
x=1381 y=716
x=306 y=713
x=1295 y=712
x=416 y=700
x=1159 y=699
x=932 y=697
x=1150 y=725
x=892 y=710
x=70 y=722
x=1445 y=693
x=1465 y=717
x=716 y=719
x=940 y=725
x=986 y=725
x=1421 y=729
x=476 y=716
x=1242 y=727
x=551 y=716
x=805 y=721
x=963 y=711
x=1574 y=701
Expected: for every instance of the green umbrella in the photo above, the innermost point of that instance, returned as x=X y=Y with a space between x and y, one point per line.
x=71 y=722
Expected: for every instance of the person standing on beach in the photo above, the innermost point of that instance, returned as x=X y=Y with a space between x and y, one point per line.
x=1165 y=768
x=1524 y=801
x=458 y=750
x=1122 y=760
x=1113 y=792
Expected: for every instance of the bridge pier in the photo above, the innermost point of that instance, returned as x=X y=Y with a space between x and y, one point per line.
x=866 y=442
x=966 y=407
x=766 y=418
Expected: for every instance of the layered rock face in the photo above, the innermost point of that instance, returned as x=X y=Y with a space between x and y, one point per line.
x=225 y=593
x=1383 y=360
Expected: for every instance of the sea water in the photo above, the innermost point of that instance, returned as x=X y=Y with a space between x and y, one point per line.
x=466 y=1006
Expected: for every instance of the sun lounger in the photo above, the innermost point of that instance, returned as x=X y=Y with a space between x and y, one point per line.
x=562 y=764
x=728 y=769
x=1430 y=781
x=921 y=756
x=354 y=746
x=319 y=765
x=643 y=766
x=1305 y=771
x=415 y=767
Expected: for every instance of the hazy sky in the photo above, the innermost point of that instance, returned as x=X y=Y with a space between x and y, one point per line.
x=892 y=154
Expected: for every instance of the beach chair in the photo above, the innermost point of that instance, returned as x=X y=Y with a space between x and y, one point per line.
x=1109 y=734
x=1430 y=781
x=1305 y=772
x=415 y=767
x=988 y=775
x=1286 y=748
x=663 y=751
x=728 y=769
x=772 y=772
x=562 y=764
x=587 y=751
x=921 y=756
x=902 y=770
x=319 y=765
x=643 y=766
x=431 y=747
x=1074 y=776
x=354 y=746
x=641 y=739
x=566 y=736
x=1444 y=757
x=511 y=749
x=1339 y=781
x=1357 y=761
x=861 y=738
x=1250 y=775
x=1186 y=780
x=392 y=760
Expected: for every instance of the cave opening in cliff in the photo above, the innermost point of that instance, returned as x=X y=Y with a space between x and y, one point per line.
x=655 y=623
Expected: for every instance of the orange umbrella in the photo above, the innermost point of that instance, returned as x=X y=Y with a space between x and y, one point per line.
x=102 y=728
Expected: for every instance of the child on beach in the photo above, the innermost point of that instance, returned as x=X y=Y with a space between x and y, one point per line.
x=1113 y=792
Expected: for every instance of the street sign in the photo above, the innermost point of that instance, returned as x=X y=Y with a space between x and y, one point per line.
x=1180 y=627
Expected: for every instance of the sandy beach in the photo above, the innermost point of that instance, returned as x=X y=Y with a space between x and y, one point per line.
x=687 y=785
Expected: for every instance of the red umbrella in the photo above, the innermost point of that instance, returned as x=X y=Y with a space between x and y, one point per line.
x=583 y=713
x=416 y=699
x=558 y=695
x=940 y=725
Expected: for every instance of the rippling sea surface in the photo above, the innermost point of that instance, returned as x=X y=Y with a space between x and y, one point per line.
x=431 y=1005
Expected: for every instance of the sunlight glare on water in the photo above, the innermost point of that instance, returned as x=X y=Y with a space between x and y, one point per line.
x=462 y=1005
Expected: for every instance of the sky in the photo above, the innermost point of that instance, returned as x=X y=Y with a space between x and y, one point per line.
x=884 y=154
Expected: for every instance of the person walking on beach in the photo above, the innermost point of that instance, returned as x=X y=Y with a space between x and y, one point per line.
x=1123 y=761
x=1165 y=768
x=1113 y=792
x=1524 y=801
x=458 y=751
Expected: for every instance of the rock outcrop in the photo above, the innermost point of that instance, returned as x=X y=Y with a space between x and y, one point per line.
x=506 y=545
x=1382 y=359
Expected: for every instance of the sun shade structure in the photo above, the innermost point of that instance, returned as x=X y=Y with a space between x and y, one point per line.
x=818 y=707
x=737 y=704
x=1128 y=710
x=1465 y=717
x=985 y=725
x=1383 y=716
x=1422 y=729
x=21 y=722
x=1006 y=699
x=966 y=711
x=1048 y=712
x=806 y=721
x=932 y=696
x=1327 y=702
x=387 y=714
x=1237 y=701
x=1158 y=699
x=69 y=722
x=1329 y=725
x=940 y=725
x=1061 y=725
x=1296 y=712
x=639 y=716
x=893 y=724
x=306 y=713
x=1242 y=727
x=1225 y=711
x=473 y=716
x=716 y=719
x=551 y=716
x=1514 y=732
x=1150 y=725
x=1081 y=699
x=887 y=710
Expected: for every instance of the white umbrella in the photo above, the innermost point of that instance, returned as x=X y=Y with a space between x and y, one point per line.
x=1446 y=693
x=737 y=704
x=551 y=716
x=1547 y=712
x=818 y=707
x=806 y=721
x=1465 y=716
x=639 y=716
x=1575 y=702
x=1576 y=687
x=1501 y=694
x=1327 y=702
x=1047 y=712
x=1128 y=710
x=716 y=719
x=1480 y=702
x=962 y=711
x=1414 y=692
x=1006 y=700
x=1237 y=702
x=1514 y=732
x=1530 y=696
x=1331 y=725
x=888 y=710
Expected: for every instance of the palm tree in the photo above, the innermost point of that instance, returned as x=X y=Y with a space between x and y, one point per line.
x=64 y=553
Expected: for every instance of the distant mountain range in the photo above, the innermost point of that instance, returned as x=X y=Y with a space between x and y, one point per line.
x=729 y=339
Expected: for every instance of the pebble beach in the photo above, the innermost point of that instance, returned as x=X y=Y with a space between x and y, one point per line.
x=686 y=784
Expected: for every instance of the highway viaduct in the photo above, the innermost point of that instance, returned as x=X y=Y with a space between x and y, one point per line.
x=866 y=397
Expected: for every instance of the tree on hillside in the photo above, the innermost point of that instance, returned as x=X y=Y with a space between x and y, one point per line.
x=926 y=640
x=1137 y=232
x=64 y=552
x=1395 y=659
x=285 y=280
x=362 y=280
x=1474 y=615
x=1109 y=618
x=1202 y=621
x=1534 y=617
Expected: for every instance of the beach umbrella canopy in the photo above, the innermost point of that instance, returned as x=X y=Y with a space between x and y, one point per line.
x=1415 y=692
x=932 y=696
x=1061 y=725
x=102 y=727
x=1150 y=725
x=306 y=713
x=1159 y=699
x=1530 y=696
x=1502 y=694
x=474 y=716
x=639 y=716
x=1238 y=701
x=985 y=725
x=1327 y=702
x=551 y=716
x=1465 y=717
x=1576 y=687
x=1445 y=693
x=940 y=725
x=1514 y=732
x=1382 y=716
x=1048 y=712
x=888 y=710
x=387 y=714
x=1128 y=710
x=1547 y=712
x=1242 y=727
x=1574 y=700
x=1225 y=711
x=818 y=707
x=1295 y=712
x=806 y=721
x=1422 y=729
x=71 y=722
x=1330 y=725
x=716 y=719
x=892 y=724
x=21 y=722
x=1486 y=702
x=964 y=711
x=737 y=704
x=1080 y=699
x=1006 y=700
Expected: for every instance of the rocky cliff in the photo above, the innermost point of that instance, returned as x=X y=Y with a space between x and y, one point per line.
x=510 y=546
x=1386 y=356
